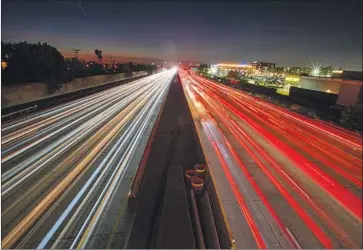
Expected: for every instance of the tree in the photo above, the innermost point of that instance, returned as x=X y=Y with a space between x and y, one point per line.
x=26 y=62
x=96 y=69
x=326 y=71
x=99 y=55
x=33 y=63
x=128 y=69
x=76 y=68
x=150 y=69
x=96 y=52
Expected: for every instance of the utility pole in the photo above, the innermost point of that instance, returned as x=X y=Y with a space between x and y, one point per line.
x=76 y=52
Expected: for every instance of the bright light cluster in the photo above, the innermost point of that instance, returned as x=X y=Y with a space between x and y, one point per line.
x=316 y=71
x=292 y=79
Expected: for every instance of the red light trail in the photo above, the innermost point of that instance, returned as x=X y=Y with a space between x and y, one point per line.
x=313 y=167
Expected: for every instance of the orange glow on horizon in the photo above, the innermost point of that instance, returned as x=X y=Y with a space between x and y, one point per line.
x=233 y=65
x=109 y=58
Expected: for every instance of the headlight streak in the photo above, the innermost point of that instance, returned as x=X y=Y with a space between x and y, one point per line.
x=104 y=99
x=85 y=100
x=117 y=105
x=84 y=130
x=115 y=151
x=129 y=109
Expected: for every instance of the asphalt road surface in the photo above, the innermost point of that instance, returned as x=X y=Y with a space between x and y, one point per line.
x=67 y=171
x=284 y=181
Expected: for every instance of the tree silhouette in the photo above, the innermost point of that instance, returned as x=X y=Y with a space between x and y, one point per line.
x=34 y=62
x=99 y=55
x=28 y=62
x=326 y=70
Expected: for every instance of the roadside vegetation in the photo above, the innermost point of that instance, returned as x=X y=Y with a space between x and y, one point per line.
x=39 y=62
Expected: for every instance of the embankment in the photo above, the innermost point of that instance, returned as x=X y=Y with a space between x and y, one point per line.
x=30 y=92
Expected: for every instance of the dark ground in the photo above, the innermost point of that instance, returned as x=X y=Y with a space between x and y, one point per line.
x=173 y=145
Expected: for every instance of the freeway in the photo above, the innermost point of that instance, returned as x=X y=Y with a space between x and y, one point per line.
x=67 y=171
x=283 y=180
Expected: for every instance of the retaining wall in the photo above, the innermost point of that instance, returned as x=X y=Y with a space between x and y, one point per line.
x=28 y=92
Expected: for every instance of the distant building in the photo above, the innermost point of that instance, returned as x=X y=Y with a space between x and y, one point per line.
x=222 y=69
x=298 y=70
x=258 y=65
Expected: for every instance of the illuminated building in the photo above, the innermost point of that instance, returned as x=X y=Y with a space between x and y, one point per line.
x=292 y=78
x=222 y=69
x=258 y=65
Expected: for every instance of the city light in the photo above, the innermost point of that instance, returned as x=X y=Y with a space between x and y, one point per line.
x=214 y=69
x=4 y=65
x=256 y=143
x=292 y=79
x=233 y=65
x=316 y=71
x=302 y=140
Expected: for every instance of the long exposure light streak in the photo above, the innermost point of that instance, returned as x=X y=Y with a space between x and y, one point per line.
x=307 y=173
x=62 y=167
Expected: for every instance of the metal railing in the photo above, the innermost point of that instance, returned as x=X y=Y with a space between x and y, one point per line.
x=19 y=112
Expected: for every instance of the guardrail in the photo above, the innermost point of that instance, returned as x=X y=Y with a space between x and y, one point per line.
x=27 y=110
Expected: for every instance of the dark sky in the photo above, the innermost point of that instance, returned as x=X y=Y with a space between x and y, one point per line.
x=284 y=32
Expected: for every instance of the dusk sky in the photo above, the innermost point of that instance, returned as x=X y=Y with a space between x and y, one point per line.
x=284 y=32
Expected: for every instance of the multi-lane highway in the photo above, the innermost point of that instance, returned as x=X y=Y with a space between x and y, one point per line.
x=284 y=181
x=67 y=171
